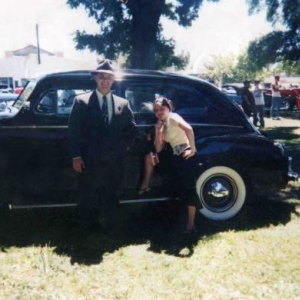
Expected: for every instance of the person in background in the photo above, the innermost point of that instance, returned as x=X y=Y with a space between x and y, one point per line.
x=259 y=103
x=101 y=129
x=173 y=129
x=276 y=99
x=248 y=102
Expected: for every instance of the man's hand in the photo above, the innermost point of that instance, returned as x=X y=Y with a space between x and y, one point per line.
x=78 y=164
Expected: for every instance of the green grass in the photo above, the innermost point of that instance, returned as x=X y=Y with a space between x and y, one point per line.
x=252 y=256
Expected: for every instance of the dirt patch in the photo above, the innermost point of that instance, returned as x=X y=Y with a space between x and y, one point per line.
x=283 y=122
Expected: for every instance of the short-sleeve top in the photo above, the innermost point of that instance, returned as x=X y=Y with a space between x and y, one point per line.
x=173 y=134
x=276 y=90
x=258 y=96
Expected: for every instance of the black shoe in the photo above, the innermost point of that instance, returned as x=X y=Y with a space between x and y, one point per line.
x=144 y=193
x=190 y=231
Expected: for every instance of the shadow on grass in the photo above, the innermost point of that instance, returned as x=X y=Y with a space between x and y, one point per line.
x=157 y=225
x=287 y=133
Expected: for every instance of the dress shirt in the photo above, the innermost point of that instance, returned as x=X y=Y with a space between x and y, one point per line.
x=109 y=103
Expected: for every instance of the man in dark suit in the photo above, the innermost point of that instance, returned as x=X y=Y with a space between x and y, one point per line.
x=101 y=129
x=248 y=102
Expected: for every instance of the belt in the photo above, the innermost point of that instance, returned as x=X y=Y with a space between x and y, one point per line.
x=179 y=149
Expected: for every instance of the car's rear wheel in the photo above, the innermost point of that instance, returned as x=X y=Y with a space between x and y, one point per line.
x=290 y=102
x=222 y=193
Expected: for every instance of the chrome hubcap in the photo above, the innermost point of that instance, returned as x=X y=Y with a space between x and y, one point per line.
x=219 y=193
x=218 y=190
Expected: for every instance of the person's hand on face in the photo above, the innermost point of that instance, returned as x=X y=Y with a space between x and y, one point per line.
x=160 y=125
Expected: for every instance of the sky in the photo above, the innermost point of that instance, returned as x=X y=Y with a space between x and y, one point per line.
x=222 y=28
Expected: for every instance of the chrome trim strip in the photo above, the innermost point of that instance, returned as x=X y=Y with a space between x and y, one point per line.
x=35 y=127
x=12 y=206
x=142 y=125
x=146 y=200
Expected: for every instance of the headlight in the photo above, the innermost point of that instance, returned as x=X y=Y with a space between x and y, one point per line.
x=2 y=106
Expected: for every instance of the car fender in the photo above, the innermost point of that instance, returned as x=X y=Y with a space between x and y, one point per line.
x=253 y=156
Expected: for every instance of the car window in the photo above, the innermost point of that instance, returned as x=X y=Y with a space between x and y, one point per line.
x=187 y=101
x=58 y=102
x=47 y=103
x=66 y=99
x=25 y=94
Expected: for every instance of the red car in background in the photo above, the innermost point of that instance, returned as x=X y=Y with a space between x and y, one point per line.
x=290 y=98
x=18 y=90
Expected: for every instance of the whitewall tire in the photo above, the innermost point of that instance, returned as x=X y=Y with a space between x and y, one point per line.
x=222 y=193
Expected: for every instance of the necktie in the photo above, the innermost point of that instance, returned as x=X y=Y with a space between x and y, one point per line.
x=105 y=110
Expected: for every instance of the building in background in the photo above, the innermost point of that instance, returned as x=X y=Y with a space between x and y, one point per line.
x=19 y=65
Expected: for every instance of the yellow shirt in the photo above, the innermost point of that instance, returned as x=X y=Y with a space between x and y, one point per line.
x=173 y=134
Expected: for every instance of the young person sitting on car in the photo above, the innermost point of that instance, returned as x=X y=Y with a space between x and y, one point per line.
x=173 y=129
x=152 y=160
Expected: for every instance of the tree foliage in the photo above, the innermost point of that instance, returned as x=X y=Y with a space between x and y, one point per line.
x=133 y=28
x=277 y=46
x=232 y=68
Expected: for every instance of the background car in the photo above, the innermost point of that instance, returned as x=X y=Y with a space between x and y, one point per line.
x=290 y=96
x=233 y=158
x=18 y=90
x=6 y=90
x=234 y=92
x=4 y=97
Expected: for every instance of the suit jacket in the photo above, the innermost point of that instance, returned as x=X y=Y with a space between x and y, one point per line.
x=92 y=139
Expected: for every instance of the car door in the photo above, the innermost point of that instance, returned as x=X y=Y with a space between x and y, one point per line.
x=200 y=104
x=41 y=131
x=141 y=92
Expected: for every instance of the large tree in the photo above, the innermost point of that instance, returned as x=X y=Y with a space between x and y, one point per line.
x=133 y=28
x=277 y=46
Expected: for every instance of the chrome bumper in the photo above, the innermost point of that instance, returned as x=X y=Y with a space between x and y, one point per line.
x=292 y=176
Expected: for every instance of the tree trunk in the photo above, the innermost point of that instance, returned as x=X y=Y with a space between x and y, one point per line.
x=145 y=22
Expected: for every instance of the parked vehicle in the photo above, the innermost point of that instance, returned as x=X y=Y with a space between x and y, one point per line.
x=290 y=96
x=4 y=97
x=234 y=159
x=6 y=90
x=18 y=90
x=234 y=92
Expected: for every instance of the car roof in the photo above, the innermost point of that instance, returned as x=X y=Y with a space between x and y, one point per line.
x=122 y=73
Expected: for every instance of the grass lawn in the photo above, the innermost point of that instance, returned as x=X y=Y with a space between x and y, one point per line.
x=255 y=255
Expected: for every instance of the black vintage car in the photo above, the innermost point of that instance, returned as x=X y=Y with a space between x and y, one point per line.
x=234 y=159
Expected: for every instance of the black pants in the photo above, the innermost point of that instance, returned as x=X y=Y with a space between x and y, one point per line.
x=185 y=179
x=99 y=191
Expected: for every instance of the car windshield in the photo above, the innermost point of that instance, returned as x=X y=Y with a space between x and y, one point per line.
x=25 y=94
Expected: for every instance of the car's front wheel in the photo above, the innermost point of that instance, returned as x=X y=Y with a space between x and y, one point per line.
x=221 y=191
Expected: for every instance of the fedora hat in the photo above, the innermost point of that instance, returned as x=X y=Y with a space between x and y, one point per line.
x=104 y=66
